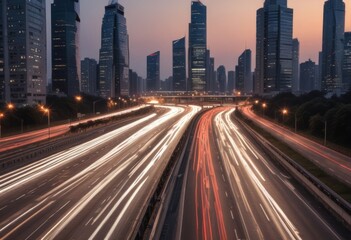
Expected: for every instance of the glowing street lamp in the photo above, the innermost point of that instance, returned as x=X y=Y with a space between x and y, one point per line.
x=78 y=99
x=11 y=106
x=47 y=111
x=1 y=117
x=264 y=106
x=284 y=112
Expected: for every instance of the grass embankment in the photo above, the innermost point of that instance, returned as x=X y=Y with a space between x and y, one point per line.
x=333 y=183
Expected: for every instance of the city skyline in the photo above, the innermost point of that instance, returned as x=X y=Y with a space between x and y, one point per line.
x=176 y=16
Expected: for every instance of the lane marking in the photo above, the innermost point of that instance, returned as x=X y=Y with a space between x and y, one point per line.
x=231 y=213
x=265 y=212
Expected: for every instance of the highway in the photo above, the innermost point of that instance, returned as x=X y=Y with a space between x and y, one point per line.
x=231 y=190
x=96 y=190
x=24 y=139
x=334 y=163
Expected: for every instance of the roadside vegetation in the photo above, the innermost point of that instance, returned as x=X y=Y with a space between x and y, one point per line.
x=312 y=113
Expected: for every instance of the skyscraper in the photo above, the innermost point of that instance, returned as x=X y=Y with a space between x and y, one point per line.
x=346 y=76
x=153 y=82
x=89 y=76
x=22 y=52
x=114 y=53
x=65 y=24
x=333 y=45
x=274 y=48
x=296 y=65
x=307 y=76
x=231 y=82
x=222 y=79
x=179 y=65
x=198 y=47
x=243 y=73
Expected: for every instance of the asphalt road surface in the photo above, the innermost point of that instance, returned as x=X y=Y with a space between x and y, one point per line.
x=96 y=190
x=232 y=190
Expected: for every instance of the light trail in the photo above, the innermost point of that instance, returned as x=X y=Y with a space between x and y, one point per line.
x=227 y=130
x=24 y=139
x=136 y=175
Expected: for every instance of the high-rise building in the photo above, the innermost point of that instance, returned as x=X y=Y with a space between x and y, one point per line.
x=243 y=79
x=319 y=79
x=296 y=65
x=333 y=45
x=307 y=76
x=89 y=76
x=222 y=79
x=346 y=76
x=212 y=75
x=65 y=25
x=133 y=80
x=23 y=52
x=274 y=48
x=231 y=82
x=179 y=65
x=114 y=53
x=153 y=72
x=198 y=47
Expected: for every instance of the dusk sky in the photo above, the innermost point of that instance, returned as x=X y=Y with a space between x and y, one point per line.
x=153 y=24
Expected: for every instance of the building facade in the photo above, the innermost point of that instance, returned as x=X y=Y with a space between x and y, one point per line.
x=274 y=48
x=296 y=65
x=153 y=81
x=243 y=79
x=231 y=82
x=23 y=76
x=179 y=65
x=114 y=53
x=333 y=45
x=308 y=76
x=65 y=27
x=346 y=76
x=89 y=76
x=222 y=79
x=198 y=47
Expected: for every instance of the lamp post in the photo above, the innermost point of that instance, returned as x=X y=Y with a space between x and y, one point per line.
x=11 y=106
x=264 y=106
x=325 y=133
x=295 y=121
x=48 y=113
x=284 y=112
x=1 y=117
x=78 y=99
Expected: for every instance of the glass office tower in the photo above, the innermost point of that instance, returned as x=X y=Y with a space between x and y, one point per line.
x=23 y=52
x=274 y=48
x=198 y=47
x=114 y=53
x=333 y=45
x=179 y=65
x=153 y=82
x=65 y=24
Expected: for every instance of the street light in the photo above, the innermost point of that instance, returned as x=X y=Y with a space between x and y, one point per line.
x=264 y=106
x=78 y=99
x=47 y=111
x=1 y=117
x=284 y=112
x=11 y=106
x=295 y=121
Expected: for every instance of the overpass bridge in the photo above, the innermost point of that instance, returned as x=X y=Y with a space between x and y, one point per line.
x=197 y=99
